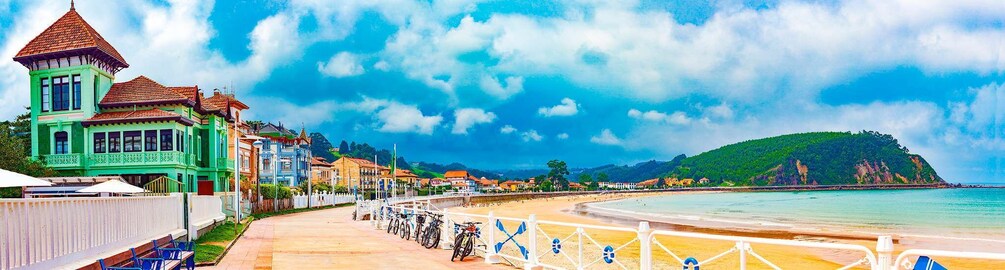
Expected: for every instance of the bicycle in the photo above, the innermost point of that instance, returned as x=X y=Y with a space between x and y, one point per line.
x=392 y=223
x=420 y=219
x=431 y=236
x=403 y=226
x=464 y=243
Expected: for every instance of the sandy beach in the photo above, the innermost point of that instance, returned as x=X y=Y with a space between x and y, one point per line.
x=564 y=209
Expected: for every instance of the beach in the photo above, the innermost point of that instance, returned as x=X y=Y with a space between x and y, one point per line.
x=569 y=209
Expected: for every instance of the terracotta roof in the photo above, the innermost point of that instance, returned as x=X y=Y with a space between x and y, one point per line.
x=220 y=100
x=319 y=162
x=365 y=162
x=149 y=115
x=404 y=173
x=140 y=91
x=69 y=33
x=456 y=174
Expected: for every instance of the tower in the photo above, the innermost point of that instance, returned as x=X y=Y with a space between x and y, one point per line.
x=71 y=67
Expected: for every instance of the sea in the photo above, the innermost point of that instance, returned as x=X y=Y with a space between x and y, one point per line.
x=960 y=213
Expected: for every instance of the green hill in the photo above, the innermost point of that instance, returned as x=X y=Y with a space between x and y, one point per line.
x=824 y=158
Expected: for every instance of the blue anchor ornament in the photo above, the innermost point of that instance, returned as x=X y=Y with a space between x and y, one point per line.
x=608 y=254
x=689 y=262
x=556 y=246
x=510 y=237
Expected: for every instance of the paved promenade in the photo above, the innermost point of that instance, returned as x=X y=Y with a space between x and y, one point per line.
x=329 y=239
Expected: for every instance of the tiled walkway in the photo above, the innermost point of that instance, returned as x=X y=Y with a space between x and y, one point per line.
x=329 y=239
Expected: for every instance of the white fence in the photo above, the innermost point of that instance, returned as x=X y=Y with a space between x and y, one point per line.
x=322 y=199
x=61 y=232
x=531 y=243
x=53 y=233
x=205 y=211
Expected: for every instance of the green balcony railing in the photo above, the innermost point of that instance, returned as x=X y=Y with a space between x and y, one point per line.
x=145 y=158
x=63 y=160
x=225 y=163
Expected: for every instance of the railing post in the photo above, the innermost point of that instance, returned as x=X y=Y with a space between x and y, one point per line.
x=579 y=233
x=742 y=246
x=532 y=263
x=448 y=225
x=491 y=257
x=645 y=246
x=884 y=252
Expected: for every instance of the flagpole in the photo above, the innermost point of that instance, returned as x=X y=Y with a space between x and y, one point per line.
x=394 y=171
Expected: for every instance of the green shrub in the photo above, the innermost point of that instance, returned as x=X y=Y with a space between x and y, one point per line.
x=10 y=192
x=269 y=191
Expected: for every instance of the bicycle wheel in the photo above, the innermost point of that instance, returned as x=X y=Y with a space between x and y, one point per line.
x=457 y=246
x=406 y=231
x=389 y=225
x=418 y=233
x=432 y=237
x=469 y=246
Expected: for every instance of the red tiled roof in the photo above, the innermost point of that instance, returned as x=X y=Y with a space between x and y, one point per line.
x=69 y=33
x=149 y=115
x=364 y=162
x=140 y=90
x=456 y=174
x=220 y=100
x=404 y=173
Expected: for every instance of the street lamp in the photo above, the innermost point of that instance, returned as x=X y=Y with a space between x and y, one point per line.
x=258 y=189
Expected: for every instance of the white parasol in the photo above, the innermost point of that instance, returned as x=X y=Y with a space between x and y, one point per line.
x=112 y=186
x=13 y=179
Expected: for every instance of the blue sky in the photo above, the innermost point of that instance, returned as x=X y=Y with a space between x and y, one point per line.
x=512 y=84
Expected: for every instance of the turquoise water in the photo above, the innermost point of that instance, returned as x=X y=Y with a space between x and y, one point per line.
x=929 y=212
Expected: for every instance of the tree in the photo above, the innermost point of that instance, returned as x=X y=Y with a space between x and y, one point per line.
x=320 y=146
x=15 y=159
x=586 y=180
x=557 y=174
x=343 y=148
x=593 y=186
x=602 y=177
x=660 y=183
x=546 y=185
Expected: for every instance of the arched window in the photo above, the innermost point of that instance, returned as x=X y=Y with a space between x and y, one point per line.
x=62 y=144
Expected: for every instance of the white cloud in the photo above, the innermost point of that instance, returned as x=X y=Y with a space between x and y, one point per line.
x=677 y=118
x=493 y=87
x=507 y=129
x=382 y=66
x=606 y=137
x=567 y=108
x=343 y=64
x=531 y=135
x=398 y=118
x=562 y=136
x=791 y=50
x=722 y=111
x=467 y=117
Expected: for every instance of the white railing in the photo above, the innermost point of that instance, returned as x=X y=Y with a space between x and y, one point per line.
x=205 y=211
x=321 y=199
x=67 y=232
x=530 y=243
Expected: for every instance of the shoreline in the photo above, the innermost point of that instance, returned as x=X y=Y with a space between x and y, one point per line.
x=570 y=209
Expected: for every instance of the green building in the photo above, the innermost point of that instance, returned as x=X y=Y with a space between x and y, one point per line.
x=86 y=124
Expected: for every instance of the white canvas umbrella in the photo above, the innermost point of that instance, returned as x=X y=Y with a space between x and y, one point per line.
x=112 y=186
x=13 y=179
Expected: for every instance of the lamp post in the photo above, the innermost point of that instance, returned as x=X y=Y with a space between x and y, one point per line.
x=258 y=146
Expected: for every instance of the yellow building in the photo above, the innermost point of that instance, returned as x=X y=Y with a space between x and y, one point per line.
x=359 y=173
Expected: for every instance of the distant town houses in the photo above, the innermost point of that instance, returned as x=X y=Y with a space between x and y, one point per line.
x=462 y=181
